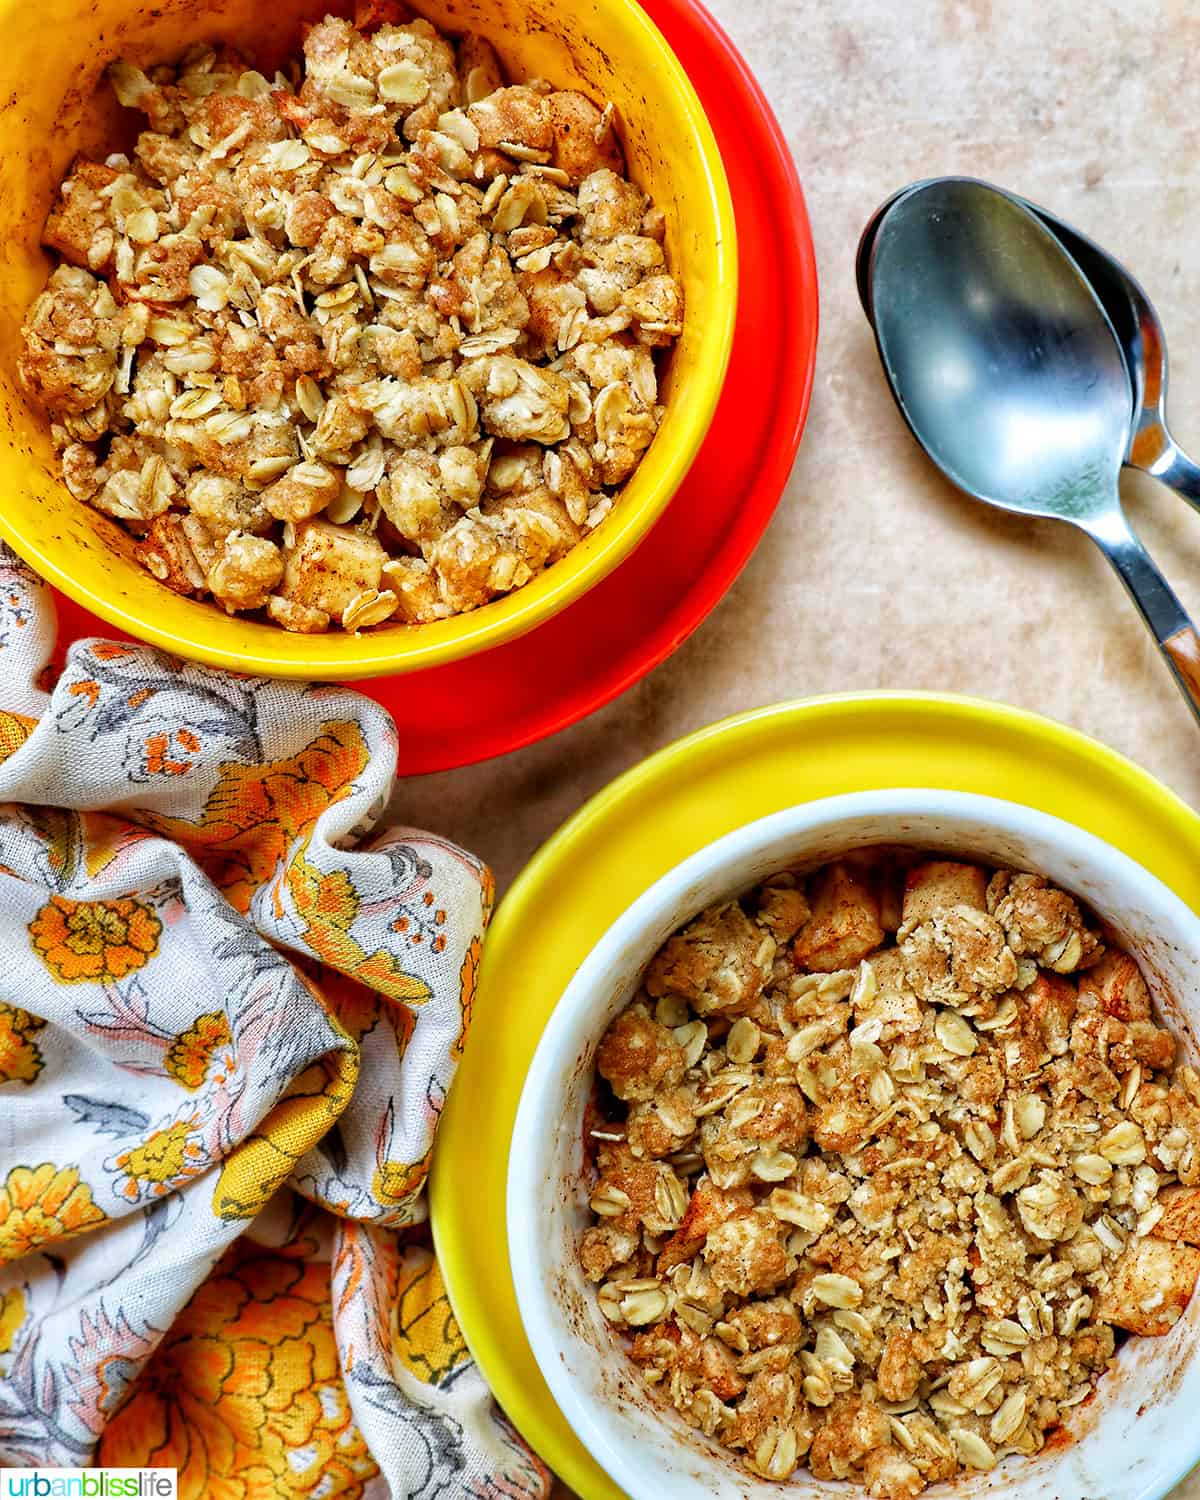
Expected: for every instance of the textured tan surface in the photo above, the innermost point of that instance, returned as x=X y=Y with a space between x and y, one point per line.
x=875 y=573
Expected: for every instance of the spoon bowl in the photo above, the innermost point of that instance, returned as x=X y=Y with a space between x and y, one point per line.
x=1144 y=345
x=1002 y=362
x=1139 y=332
x=1010 y=375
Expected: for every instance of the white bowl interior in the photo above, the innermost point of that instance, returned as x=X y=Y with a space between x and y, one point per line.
x=1132 y=1441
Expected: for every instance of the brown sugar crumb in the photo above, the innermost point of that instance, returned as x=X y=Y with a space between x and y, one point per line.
x=898 y=1144
x=371 y=341
x=718 y=964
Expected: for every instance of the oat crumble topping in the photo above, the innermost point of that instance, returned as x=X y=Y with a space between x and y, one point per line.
x=369 y=341
x=884 y=1155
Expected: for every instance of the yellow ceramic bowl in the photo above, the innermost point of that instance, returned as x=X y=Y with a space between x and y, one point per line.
x=631 y=834
x=51 y=62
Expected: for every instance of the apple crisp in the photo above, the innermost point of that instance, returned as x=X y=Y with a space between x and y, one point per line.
x=371 y=340
x=888 y=1157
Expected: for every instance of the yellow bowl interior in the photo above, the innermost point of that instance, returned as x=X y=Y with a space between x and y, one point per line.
x=54 y=103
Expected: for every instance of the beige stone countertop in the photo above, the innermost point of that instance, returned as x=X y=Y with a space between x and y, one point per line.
x=874 y=572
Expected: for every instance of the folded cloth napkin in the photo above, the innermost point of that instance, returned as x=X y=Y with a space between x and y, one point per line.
x=229 y=1015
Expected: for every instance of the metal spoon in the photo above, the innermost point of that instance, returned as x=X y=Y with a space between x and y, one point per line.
x=1139 y=331
x=1010 y=376
x=1144 y=345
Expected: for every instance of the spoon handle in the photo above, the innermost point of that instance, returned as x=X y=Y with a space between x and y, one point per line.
x=1177 y=471
x=1169 y=622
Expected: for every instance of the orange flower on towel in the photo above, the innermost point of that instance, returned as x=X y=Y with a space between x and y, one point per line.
x=191 y=1053
x=255 y=813
x=396 y=1183
x=82 y=940
x=20 y=1056
x=39 y=1205
x=244 y=1395
x=468 y=977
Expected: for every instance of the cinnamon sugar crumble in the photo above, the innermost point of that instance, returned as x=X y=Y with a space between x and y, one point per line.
x=895 y=1147
x=369 y=341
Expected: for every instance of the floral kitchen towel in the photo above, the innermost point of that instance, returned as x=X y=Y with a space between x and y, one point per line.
x=230 y=1009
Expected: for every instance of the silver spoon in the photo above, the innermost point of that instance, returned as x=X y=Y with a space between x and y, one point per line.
x=1139 y=331
x=1144 y=345
x=1010 y=376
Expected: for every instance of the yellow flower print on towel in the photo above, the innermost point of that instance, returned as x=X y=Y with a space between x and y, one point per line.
x=20 y=1056
x=15 y=729
x=328 y=905
x=428 y=1339
x=94 y=940
x=262 y=1162
x=12 y=1315
x=41 y=1204
x=165 y=1160
x=191 y=1054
